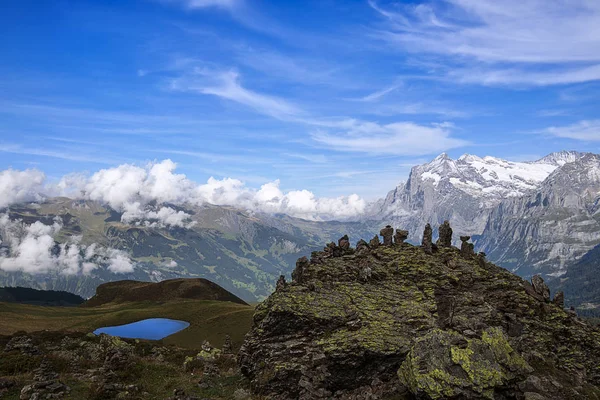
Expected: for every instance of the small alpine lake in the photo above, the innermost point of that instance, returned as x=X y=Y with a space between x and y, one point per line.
x=152 y=329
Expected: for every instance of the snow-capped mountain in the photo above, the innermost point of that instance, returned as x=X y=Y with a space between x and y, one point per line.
x=548 y=229
x=463 y=190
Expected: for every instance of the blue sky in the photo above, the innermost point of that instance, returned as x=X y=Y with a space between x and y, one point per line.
x=333 y=96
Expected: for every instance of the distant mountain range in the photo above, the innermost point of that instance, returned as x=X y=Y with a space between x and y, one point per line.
x=243 y=252
x=530 y=217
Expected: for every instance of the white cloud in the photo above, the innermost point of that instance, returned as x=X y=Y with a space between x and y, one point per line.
x=130 y=189
x=31 y=248
x=149 y=196
x=271 y=199
x=582 y=130
x=404 y=138
x=19 y=186
x=562 y=36
x=119 y=262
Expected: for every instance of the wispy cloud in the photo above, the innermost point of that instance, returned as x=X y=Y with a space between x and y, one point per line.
x=313 y=158
x=563 y=37
x=300 y=69
x=554 y=113
x=520 y=76
x=418 y=108
x=69 y=155
x=226 y=84
x=348 y=134
x=588 y=130
x=402 y=139
x=379 y=94
x=198 y=4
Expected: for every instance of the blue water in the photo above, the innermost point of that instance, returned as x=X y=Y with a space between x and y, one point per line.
x=153 y=329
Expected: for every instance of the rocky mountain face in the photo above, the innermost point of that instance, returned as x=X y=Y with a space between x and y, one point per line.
x=550 y=227
x=395 y=321
x=241 y=251
x=581 y=284
x=462 y=191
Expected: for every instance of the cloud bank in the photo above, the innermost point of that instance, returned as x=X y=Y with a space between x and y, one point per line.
x=31 y=248
x=150 y=195
x=20 y=186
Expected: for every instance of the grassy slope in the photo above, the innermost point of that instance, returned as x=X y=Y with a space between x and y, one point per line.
x=210 y=320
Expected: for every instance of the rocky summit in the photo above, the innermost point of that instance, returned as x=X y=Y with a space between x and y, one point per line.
x=395 y=321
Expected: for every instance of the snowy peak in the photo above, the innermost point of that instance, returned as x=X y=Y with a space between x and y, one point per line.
x=489 y=178
x=560 y=158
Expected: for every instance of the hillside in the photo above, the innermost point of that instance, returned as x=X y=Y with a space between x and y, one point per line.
x=168 y=290
x=39 y=297
x=397 y=321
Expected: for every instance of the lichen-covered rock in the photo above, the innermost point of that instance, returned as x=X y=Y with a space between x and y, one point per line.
x=445 y=364
x=426 y=326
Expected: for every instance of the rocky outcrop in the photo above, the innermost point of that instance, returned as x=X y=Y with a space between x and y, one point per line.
x=540 y=287
x=398 y=322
